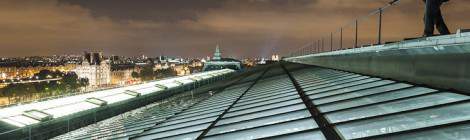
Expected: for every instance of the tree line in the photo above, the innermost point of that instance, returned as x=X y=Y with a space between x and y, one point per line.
x=69 y=82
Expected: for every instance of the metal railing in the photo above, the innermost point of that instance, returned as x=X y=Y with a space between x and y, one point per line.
x=327 y=43
x=335 y=40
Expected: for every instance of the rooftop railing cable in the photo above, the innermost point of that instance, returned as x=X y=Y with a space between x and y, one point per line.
x=327 y=42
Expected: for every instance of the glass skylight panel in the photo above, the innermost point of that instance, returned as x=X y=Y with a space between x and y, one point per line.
x=216 y=101
x=454 y=132
x=263 y=99
x=268 y=131
x=19 y=109
x=23 y=119
x=262 y=114
x=397 y=106
x=330 y=85
x=206 y=76
x=185 y=81
x=158 y=135
x=354 y=87
x=97 y=101
x=186 y=119
x=277 y=100
x=406 y=121
x=375 y=90
x=14 y=123
x=375 y=99
x=117 y=98
x=212 y=104
x=148 y=90
x=274 y=88
x=265 y=107
x=132 y=93
x=314 y=81
x=69 y=109
x=178 y=83
x=182 y=125
x=254 y=95
x=38 y=115
x=108 y=92
x=202 y=110
x=187 y=136
x=170 y=84
x=197 y=78
x=323 y=83
x=259 y=96
x=307 y=135
x=260 y=122
x=194 y=79
x=218 y=74
x=161 y=86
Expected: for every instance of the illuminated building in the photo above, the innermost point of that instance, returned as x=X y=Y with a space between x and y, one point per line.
x=95 y=69
x=122 y=77
x=275 y=57
x=182 y=70
x=217 y=62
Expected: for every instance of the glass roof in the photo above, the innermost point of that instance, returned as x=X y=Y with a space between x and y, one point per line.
x=311 y=103
x=73 y=104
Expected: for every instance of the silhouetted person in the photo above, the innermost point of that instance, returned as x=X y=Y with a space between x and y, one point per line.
x=433 y=17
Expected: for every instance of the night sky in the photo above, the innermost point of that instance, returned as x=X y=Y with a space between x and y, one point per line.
x=192 y=28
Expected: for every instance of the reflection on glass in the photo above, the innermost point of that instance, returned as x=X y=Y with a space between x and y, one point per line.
x=374 y=99
x=407 y=121
x=396 y=106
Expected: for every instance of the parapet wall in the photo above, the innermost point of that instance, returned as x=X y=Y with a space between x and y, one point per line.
x=441 y=62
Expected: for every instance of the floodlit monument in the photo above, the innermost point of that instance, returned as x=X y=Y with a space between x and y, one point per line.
x=218 y=63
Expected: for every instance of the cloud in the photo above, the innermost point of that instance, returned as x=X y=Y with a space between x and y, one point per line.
x=187 y=28
x=173 y=10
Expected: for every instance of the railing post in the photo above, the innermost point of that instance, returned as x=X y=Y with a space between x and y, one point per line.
x=322 y=44
x=303 y=50
x=318 y=46
x=355 y=40
x=312 y=48
x=331 y=41
x=341 y=38
x=380 y=26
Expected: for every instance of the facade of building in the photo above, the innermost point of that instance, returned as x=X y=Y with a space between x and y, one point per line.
x=217 y=62
x=95 y=69
x=122 y=77
x=182 y=70
x=275 y=57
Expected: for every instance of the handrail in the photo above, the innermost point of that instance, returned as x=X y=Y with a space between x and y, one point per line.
x=318 y=46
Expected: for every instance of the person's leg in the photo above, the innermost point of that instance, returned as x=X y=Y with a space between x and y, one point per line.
x=440 y=24
x=429 y=17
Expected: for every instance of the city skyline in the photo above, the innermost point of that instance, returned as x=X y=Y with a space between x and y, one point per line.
x=244 y=28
